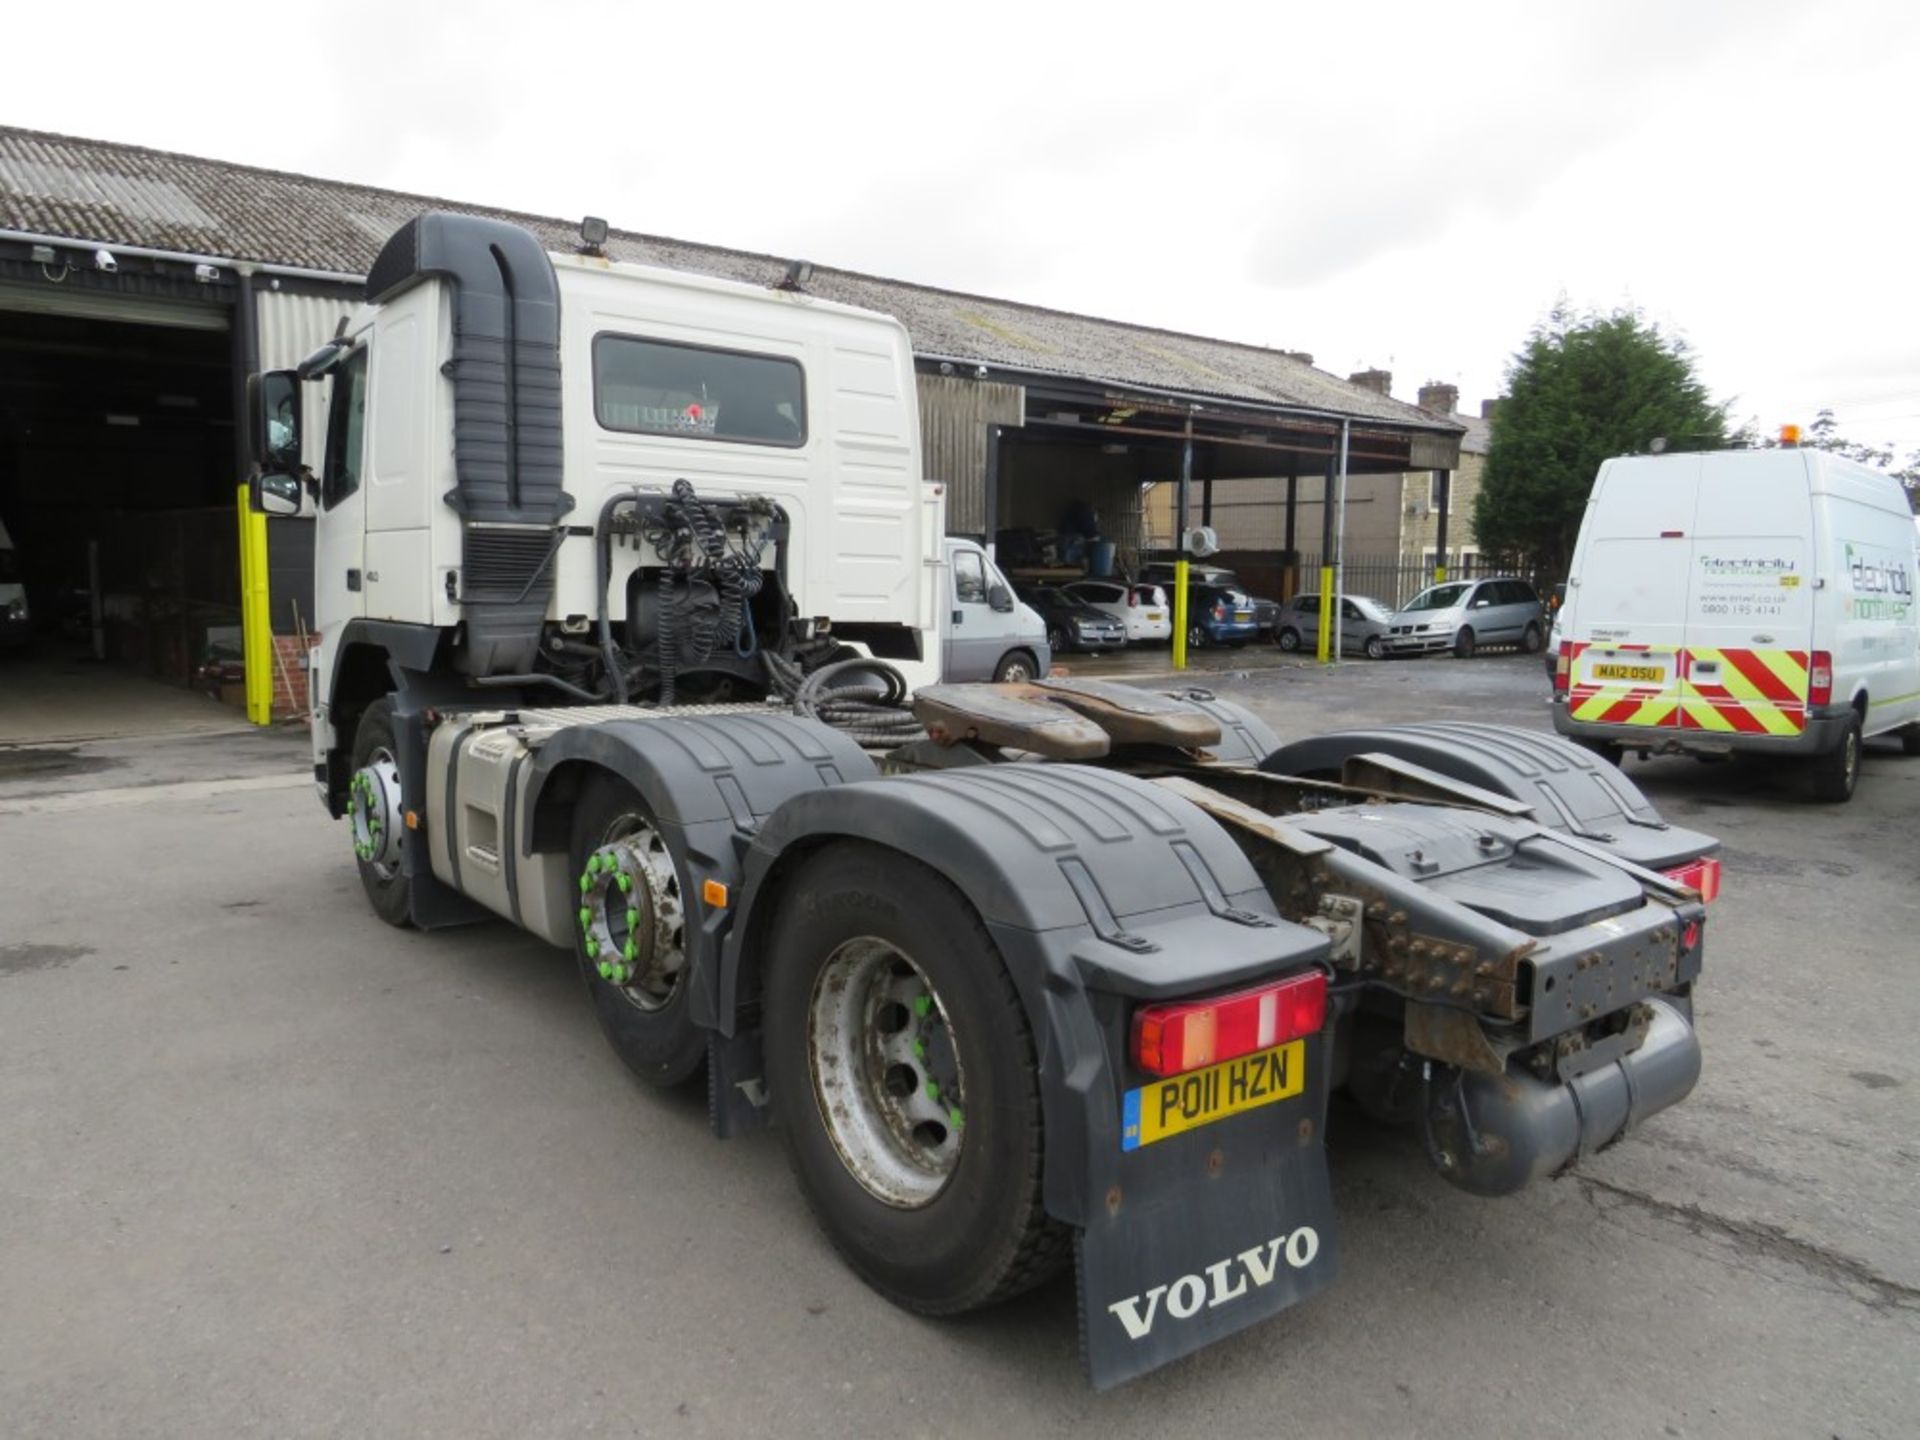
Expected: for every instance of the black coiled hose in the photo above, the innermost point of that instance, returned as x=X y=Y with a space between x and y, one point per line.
x=706 y=587
x=856 y=694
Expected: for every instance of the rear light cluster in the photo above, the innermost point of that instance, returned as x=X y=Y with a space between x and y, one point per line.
x=1219 y=609
x=1563 y=668
x=1820 y=679
x=1702 y=875
x=1173 y=1039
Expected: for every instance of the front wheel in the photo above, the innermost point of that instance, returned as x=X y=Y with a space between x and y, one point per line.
x=1196 y=637
x=1376 y=648
x=1287 y=638
x=1017 y=667
x=1463 y=643
x=903 y=1077
x=376 y=814
x=1530 y=642
x=1057 y=640
x=1832 y=777
x=631 y=938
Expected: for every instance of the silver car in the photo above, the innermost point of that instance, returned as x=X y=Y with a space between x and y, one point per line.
x=1364 y=622
x=1463 y=615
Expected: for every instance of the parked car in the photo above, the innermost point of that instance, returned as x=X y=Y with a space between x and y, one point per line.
x=1556 y=600
x=1073 y=624
x=15 y=624
x=1219 y=610
x=1146 y=610
x=1363 y=625
x=1463 y=615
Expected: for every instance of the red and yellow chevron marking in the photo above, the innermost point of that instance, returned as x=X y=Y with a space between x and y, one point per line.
x=1753 y=692
x=1617 y=702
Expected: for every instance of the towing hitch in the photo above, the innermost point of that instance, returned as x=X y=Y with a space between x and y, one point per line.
x=1495 y=1134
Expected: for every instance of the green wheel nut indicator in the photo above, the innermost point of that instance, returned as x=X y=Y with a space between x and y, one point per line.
x=933 y=1090
x=923 y=1005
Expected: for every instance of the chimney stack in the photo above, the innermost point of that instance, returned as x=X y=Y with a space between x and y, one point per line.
x=1378 y=381
x=1305 y=357
x=1438 y=398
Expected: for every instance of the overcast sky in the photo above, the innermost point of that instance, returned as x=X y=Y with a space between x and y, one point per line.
x=1408 y=187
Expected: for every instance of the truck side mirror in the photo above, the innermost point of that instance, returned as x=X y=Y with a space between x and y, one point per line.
x=275 y=494
x=273 y=405
x=1000 y=598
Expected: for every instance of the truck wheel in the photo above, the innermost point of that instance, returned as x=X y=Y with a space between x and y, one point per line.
x=631 y=939
x=1016 y=667
x=1832 y=776
x=1530 y=642
x=902 y=1074
x=1463 y=643
x=376 y=814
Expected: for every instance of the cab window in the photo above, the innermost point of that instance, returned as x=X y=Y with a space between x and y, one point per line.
x=346 y=431
x=969 y=578
x=657 y=387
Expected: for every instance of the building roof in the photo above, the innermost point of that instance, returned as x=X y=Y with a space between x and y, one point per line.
x=97 y=190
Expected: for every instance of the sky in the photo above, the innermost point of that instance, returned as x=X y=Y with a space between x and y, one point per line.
x=1408 y=187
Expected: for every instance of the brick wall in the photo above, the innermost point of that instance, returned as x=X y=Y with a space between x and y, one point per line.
x=290 y=677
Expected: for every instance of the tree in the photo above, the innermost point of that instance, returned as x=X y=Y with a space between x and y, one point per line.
x=1585 y=387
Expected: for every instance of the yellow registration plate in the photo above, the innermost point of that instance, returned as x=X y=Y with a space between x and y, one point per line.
x=1200 y=1097
x=1153 y=614
x=1638 y=674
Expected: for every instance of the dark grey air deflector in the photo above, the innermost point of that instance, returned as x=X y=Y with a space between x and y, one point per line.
x=508 y=465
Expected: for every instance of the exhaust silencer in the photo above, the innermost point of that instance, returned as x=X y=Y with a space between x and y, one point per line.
x=1493 y=1135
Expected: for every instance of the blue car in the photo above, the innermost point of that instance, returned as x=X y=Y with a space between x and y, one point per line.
x=1219 y=615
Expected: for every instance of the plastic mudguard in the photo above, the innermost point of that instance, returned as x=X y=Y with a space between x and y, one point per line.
x=1104 y=892
x=1567 y=787
x=708 y=780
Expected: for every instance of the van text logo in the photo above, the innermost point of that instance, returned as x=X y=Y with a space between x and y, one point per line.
x=1218 y=1283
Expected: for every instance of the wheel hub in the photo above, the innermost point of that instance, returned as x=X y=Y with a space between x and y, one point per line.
x=632 y=918
x=374 y=812
x=886 y=1073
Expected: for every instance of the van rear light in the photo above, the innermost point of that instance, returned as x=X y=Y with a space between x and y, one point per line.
x=1702 y=875
x=1173 y=1039
x=1820 y=679
x=1563 y=668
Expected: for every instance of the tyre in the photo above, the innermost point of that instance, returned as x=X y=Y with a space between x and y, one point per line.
x=1016 y=667
x=375 y=813
x=1376 y=648
x=1287 y=638
x=631 y=940
x=903 y=1078
x=1057 y=640
x=1530 y=642
x=1910 y=740
x=1463 y=643
x=1833 y=776
x=1196 y=637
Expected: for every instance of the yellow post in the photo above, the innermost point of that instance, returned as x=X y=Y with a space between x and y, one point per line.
x=1180 y=613
x=1440 y=574
x=1326 y=614
x=256 y=616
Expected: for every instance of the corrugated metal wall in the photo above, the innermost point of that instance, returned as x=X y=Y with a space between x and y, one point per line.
x=954 y=415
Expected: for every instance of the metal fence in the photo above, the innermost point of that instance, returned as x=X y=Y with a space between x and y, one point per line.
x=1394 y=579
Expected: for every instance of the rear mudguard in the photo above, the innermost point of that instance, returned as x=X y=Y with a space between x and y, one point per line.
x=709 y=781
x=1567 y=788
x=1103 y=891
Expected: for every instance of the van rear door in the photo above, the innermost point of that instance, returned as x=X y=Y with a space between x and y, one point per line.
x=1628 y=626
x=1750 y=596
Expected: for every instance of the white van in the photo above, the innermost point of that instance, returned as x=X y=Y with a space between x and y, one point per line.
x=15 y=624
x=990 y=634
x=1745 y=600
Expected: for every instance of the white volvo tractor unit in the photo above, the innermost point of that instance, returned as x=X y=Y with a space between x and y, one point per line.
x=629 y=592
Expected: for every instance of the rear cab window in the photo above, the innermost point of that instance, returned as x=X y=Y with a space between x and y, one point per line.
x=661 y=387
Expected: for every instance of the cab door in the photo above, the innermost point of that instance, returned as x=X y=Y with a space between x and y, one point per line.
x=340 y=541
x=971 y=648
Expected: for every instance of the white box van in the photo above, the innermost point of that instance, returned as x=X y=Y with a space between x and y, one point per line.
x=1746 y=600
x=989 y=633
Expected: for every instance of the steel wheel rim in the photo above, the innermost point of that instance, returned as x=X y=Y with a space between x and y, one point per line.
x=632 y=914
x=1018 y=670
x=886 y=1073
x=374 y=813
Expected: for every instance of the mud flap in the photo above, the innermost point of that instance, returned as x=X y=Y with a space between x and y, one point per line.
x=1194 y=1252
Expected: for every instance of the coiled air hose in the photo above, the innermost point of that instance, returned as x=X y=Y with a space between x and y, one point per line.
x=862 y=697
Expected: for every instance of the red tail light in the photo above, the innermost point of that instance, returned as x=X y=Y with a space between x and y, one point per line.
x=1133 y=598
x=1219 y=609
x=1820 y=679
x=1563 y=668
x=1702 y=874
x=1173 y=1039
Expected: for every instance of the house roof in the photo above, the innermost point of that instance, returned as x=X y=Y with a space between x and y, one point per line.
x=98 y=190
